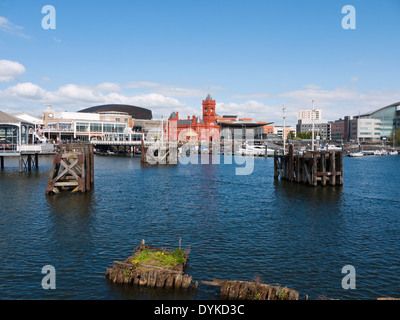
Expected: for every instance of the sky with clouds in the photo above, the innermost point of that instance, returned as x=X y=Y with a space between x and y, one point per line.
x=253 y=56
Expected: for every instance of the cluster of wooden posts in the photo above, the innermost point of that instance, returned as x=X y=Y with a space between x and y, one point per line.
x=323 y=167
x=141 y=274
x=148 y=276
x=245 y=290
x=73 y=169
x=159 y=153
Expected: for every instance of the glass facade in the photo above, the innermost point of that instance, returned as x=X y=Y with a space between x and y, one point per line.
x=387 y=118
x=9 y=133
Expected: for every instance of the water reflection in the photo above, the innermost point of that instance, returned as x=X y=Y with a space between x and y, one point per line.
x=125 y=291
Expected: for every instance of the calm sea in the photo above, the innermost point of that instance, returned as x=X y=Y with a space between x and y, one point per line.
x=238 y=228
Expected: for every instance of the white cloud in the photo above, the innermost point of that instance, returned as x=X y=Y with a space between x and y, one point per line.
x=9 y=70
x=256 y=110
x=108 y=86
x=25 y=91
x=8 y=27
x=77 y=96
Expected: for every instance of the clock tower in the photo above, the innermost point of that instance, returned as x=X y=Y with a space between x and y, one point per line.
x=209 y=111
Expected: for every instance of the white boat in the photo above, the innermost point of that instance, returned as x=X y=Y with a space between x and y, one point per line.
x=252 y=150
x=356 y=154
x=378 y=152
x=330 y=147
x=393 y=153
x=270 y=152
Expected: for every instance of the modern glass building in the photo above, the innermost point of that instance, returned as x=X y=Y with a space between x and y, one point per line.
x=376 y=125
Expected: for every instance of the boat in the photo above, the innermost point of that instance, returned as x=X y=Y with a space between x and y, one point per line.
x=356 y=154
x=378 y=152
x=330 y=147
x=252 y=150
x=393 y=153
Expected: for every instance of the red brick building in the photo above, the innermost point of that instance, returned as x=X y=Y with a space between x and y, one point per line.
x=193 y=128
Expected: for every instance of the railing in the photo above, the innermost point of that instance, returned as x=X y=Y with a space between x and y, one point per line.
x=26 y=148
x=116 y=142
x=36 y=148
x=8 y=148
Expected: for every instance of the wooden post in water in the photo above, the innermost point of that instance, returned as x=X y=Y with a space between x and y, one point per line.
x=72 y=169
x=310 y=167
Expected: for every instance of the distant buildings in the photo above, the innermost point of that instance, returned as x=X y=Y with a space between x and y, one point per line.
x=307 y=114
x=322 y=128
x=195 y=128
x=278 y=131
x=373 y=126
x=212 y=126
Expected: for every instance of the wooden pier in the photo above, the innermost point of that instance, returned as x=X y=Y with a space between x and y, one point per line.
x=311 y=168
x=73 y=169
x=159 y=153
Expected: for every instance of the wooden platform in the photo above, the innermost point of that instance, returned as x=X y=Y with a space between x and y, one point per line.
x=311 y=168
x=73 y=169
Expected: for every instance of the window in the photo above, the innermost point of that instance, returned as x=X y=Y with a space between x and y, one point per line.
x=82 y=127
x=118 y=119
x=95 y=127
x=108 y=127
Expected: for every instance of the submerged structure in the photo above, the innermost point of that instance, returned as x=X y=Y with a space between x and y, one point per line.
x=152 y=267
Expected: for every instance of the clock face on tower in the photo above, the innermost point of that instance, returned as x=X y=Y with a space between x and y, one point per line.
x=50 y=115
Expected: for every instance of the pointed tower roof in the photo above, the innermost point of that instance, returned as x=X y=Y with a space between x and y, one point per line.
x=209 y=97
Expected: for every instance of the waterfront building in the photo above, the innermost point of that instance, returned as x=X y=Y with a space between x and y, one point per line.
x=321 y=127
x=14 y=132
x=195 y=128
x=248 y=127
x=307 y=114
x=376 y=125
x=340 y=129
x=83 y=126
x=368 y=127
x=365 y=129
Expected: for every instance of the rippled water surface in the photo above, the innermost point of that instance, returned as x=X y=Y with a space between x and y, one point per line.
x=238 y=227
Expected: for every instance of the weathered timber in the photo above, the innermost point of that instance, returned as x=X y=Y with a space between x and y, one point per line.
x=137 y=273
x=159 y=153
x=72 y=169
x=312 y=168
x=244 y=290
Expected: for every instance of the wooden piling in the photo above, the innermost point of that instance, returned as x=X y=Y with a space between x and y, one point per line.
x=72 y=169
x=312 y=168
x=141 y=274
x=246 y=290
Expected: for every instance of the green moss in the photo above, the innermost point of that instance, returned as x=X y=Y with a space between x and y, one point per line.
x=161 y=258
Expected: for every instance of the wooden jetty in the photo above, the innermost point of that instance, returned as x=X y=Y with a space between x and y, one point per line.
x=312 y=168
x=245 y=290
x=134 y=272
x=73 y=169
x=159 y=153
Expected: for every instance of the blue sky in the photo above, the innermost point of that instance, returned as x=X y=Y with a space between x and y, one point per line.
x=252 y=56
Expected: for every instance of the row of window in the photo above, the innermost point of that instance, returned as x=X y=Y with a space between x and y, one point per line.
x=100 y=127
